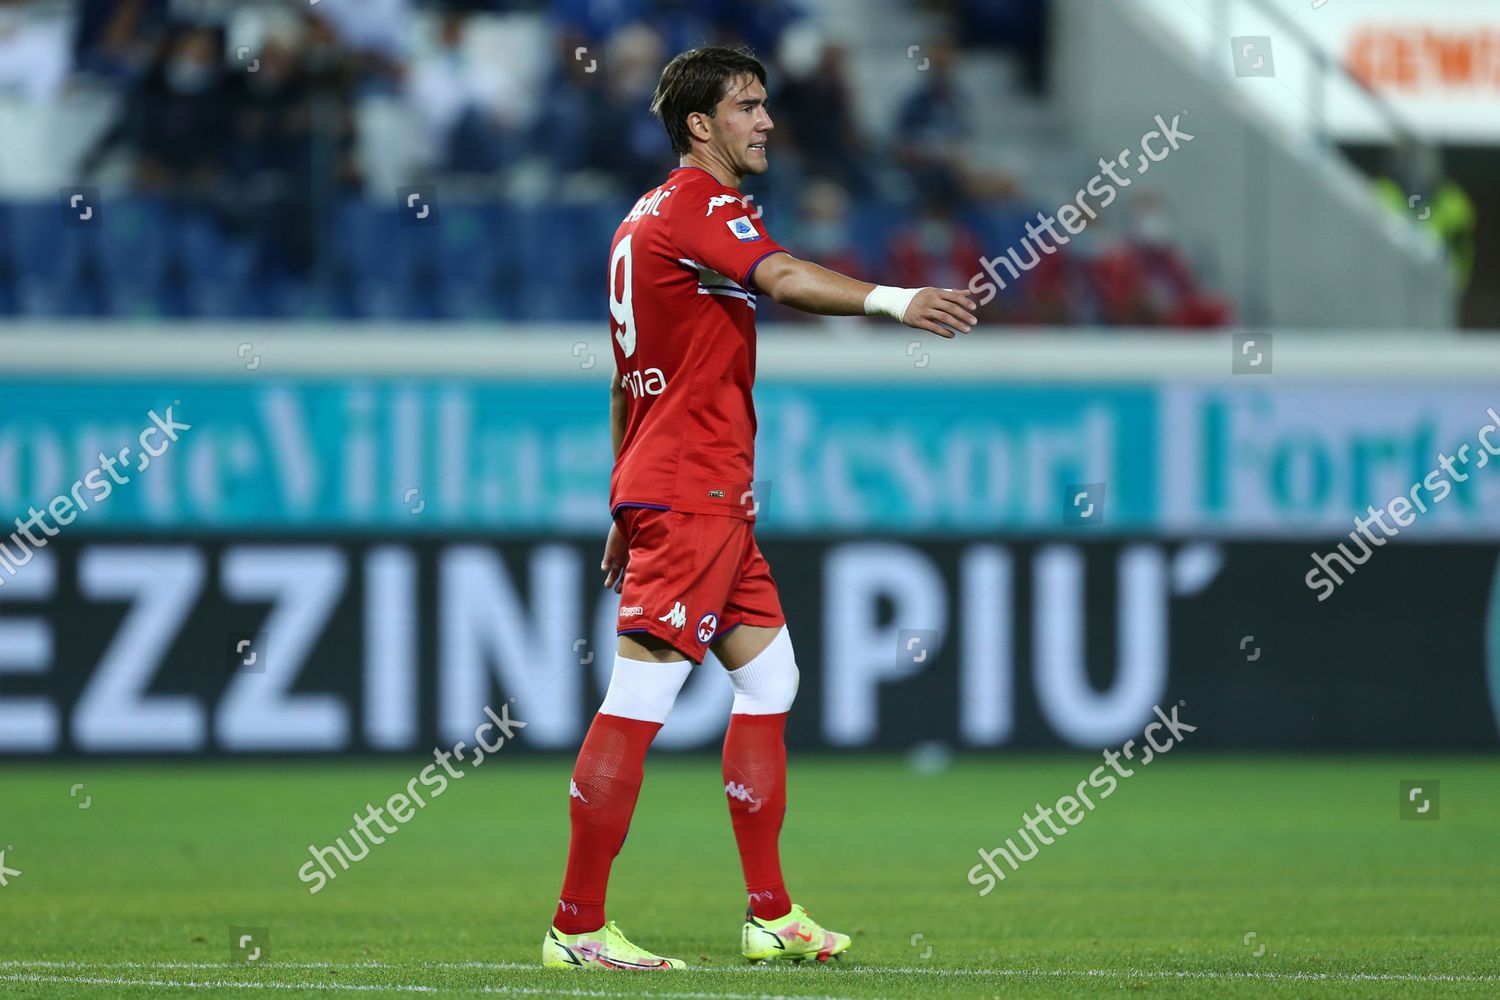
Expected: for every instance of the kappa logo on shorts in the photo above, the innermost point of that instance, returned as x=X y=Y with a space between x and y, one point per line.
x=707 y=626
x=677 y=617
x=632 y=611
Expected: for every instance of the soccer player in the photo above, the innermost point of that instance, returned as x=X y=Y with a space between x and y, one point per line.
x=685 y=271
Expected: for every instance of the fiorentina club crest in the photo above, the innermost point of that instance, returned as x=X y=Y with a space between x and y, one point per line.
x=707 y=626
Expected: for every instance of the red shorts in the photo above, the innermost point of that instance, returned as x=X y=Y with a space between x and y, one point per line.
x=690 y=578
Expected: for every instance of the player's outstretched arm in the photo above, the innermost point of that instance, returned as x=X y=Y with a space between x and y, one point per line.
x=804 y=285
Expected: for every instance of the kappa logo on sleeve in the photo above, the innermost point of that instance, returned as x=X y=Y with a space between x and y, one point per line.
x=720 y=200
x=743 y=229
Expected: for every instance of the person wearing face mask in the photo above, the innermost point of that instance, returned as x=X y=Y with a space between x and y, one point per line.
x=186 y=134
x=938 y=248
x=177 y=122
x=824 y=230
x=1146 y=280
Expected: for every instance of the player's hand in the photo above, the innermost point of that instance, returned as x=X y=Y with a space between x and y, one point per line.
x=940 y=311
x=616 y=554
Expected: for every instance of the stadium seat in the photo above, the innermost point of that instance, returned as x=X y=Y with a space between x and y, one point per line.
x=216 y=267
x=52 y=263
x=472 y=242
x=565 y=281
x=133 y=252
x=8 y=303
x=389 y=267
x=870 y=229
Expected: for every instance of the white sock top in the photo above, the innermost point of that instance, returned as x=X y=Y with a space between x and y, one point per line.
x=767 y=685
x=644 y=690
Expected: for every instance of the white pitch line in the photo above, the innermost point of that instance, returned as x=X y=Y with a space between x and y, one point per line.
x=80 y=964
x=232 y=984
x=188 y=984
x=843 y=970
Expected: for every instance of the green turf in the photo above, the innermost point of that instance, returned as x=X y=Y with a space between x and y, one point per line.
x=1153 y=893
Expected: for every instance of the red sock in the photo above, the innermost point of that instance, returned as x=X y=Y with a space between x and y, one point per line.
x=755 y=783
x=601 y=799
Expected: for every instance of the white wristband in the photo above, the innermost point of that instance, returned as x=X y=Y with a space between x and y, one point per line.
x=888 y=301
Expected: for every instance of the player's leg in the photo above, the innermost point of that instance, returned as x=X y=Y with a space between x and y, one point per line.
x=602 y=794
x=756 y=649
x=676 y=564
x=764 y=676
x=606 y=779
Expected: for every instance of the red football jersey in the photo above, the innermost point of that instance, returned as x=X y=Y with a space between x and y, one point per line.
x=682 y=312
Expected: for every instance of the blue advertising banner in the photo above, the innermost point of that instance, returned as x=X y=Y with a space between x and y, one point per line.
x=441 y=455
x=906 y=456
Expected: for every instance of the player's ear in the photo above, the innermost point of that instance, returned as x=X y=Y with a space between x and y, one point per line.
x=697 y=123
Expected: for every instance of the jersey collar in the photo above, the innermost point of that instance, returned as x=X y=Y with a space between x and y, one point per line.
x=700 y=170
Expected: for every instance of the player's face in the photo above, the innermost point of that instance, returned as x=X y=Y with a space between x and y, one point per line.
x=741 y=125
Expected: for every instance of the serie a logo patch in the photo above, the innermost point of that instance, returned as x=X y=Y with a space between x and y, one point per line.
x=743 y=229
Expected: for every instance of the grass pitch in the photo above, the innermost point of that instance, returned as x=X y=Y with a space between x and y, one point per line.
x=1206 y=876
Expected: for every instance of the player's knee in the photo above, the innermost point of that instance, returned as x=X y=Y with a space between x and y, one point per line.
x=767 y=685
x=644 y=690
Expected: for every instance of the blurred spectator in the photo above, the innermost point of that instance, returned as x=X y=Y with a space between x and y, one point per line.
x=1017 y=26
x=759 y=24
x=820 y=121
x=34 y=57
x=1145 y=280
x=1057 y=292
x=1417 y=187
x=473 y=110
x=933 y=132
x=932 y=126
x=937 y=249
x=178 y=120
x=333 y=74
x=601 y=126
x=376 y=32
x=680 y=24
x=592 y=21
x=822 y=231
x=1041 y=297
x=275 y=154
x=561 y=133
x=118 y=39
x=274 y=124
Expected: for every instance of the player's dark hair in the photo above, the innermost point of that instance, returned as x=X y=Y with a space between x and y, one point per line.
x=697 y=81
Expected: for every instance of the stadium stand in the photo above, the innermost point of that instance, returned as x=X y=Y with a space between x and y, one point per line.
x=252 y=158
